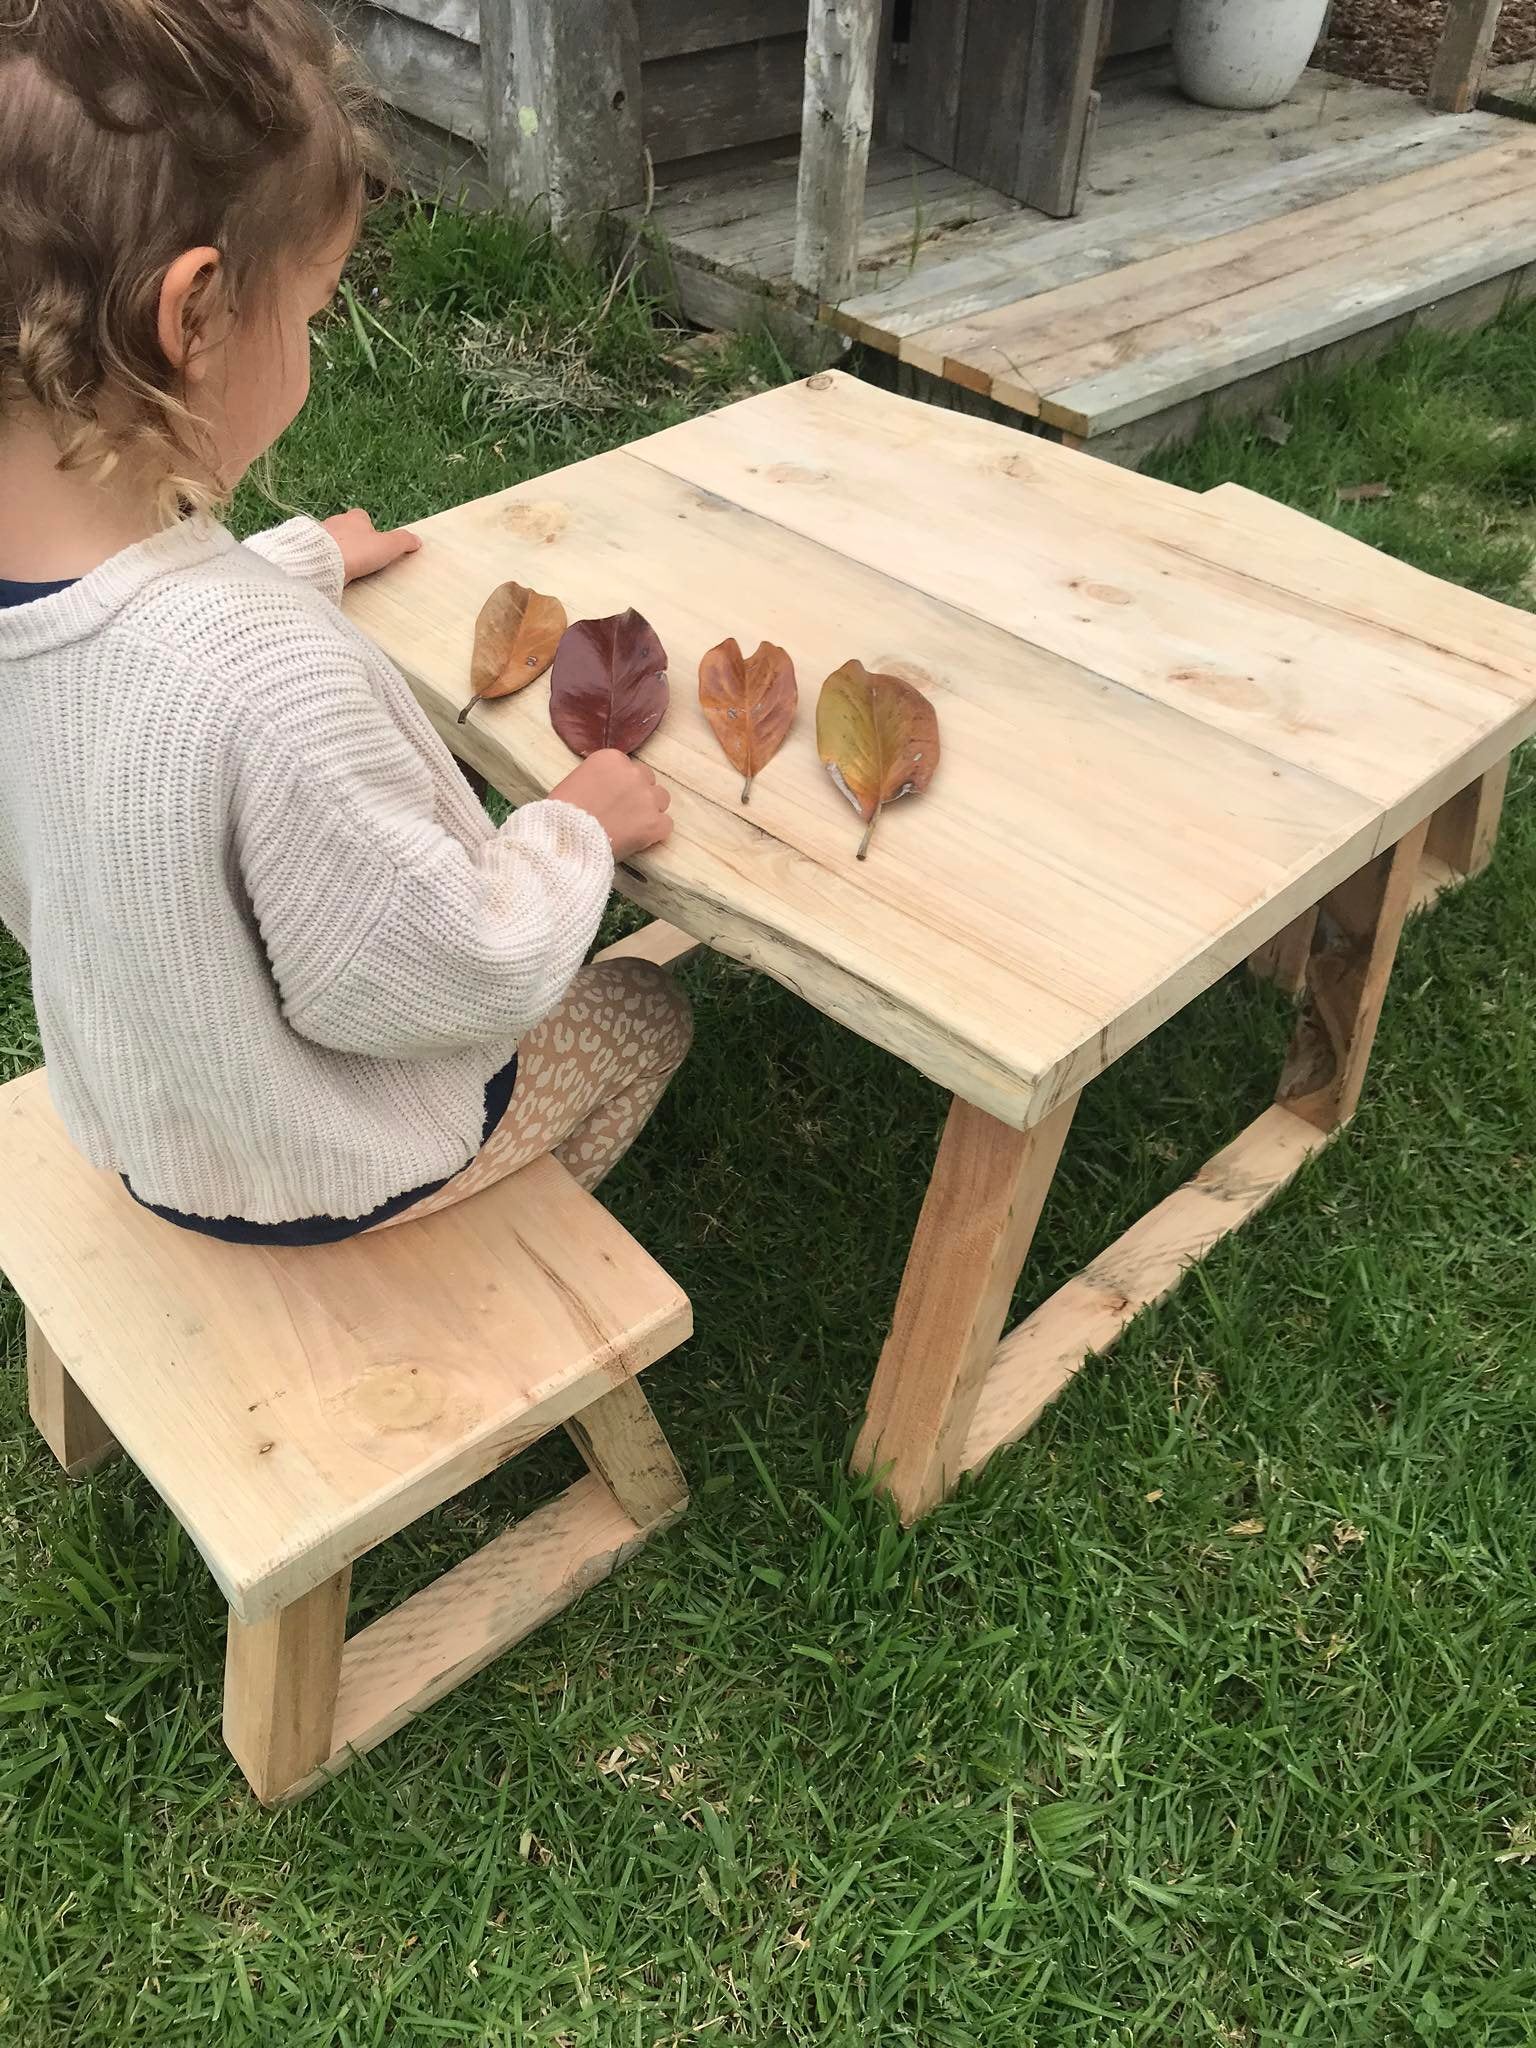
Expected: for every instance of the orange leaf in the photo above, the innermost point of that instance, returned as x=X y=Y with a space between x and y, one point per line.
x=750 y=705
x=878 y=738
x=516 y=635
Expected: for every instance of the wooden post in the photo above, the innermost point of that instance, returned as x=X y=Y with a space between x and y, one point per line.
x=842 y=42
x=1358 y=927
x=1057 y=117
x=65 y=1420
x=1464 y=832
x=1283 y=959
x=621 y=1441
x=1462 y=58
x=989 y=1186
x=562 y=107
x=281 y=1678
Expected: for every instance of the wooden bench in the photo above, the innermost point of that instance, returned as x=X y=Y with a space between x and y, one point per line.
x=295 y=1407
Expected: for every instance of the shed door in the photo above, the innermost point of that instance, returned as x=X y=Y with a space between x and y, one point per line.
x=1001 y=90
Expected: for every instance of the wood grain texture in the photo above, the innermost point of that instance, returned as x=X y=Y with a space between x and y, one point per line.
x=295 y=1406
x=841 y=57
x=281 y=1677
x=1464 y=832
x=424 y=71
x=1063 y=64
x=421 y=1650
x=720 y=99
x=1353 y=948
x=1461 y=59
x=994 y=89
x=660 y=943
x=1284 y=959
x=1083 y=1319
x=979 y=1215
x=935 y=68
x=1190 y=720
x=621 y=1441
x=63 y=1417
x=574 y=99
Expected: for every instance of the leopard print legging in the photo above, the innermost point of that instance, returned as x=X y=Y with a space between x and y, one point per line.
x=588 y=1079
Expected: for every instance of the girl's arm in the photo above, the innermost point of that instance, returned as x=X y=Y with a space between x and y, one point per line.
x=331 y=553
x=385 y=933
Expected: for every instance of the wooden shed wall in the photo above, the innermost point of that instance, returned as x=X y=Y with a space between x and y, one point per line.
x=715 y=74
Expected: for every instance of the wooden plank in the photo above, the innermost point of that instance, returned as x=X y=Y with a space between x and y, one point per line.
x=988 y=983
x=568 y=115
x=935 y=64
x=846 y=465
x=1063 y=64
x=62 y=1416
x=978 y=1218
x=459 y=18
x=1464 y=832
x=1180 y=300
x=428 y=74
x=1284 y=959
x=622 y=1442
x=295 y=1406
x=994 y=90
x=281 y=1677
x=662 y=944
x=1085 y=1318
x=1355 y=944
x=720 y=99
x=679 y=28
x=1017 y=258
x=419 y=1651
x=840 y=60
x=1273 y=323
x=429 y=161
x=1461 y=58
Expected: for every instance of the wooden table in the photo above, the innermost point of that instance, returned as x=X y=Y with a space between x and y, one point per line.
x=1173 y=726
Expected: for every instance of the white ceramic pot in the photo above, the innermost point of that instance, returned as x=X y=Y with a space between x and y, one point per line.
x=1244 y=53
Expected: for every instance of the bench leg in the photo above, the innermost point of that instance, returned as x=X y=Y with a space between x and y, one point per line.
x=1283 y=960
x=65 y=1420
x=1353 y=949
x=1464 y=832
x=621 y=1441
x=281 y=1678
x=988 y=1188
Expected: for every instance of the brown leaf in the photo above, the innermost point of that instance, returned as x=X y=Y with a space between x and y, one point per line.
x=1360 y=494
x=1274 y=428
x=516 y=635
x=750 y=705
x=609 y=687
x=878 y=739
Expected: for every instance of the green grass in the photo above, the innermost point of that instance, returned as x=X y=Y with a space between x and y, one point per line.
x=1205 y=1717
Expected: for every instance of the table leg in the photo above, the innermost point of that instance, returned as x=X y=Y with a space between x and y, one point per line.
x=947 y=1393
x=988 y=1188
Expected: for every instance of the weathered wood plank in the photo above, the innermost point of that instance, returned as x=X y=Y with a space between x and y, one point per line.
x=834 y=145
x=1062 y=65
x=935 y=60
x=428 y=74
x=565 y=111
x=1462 y=56
x=994 y=91
x=677 y=28
x=719 y=99
x=1269 y=326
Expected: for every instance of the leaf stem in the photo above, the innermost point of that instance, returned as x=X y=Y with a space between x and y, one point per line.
x=746 y=791
x=467 y=709
x=869 y=833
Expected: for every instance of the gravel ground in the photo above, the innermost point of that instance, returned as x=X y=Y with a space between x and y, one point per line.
x=1392 y=42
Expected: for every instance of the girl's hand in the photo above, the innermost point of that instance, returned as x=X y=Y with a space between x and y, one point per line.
x=363 y=548
x=624 y=797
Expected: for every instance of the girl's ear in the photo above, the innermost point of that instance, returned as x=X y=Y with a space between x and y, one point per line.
x=181 y=292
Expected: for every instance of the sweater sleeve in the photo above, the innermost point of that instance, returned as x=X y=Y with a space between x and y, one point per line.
x=386 y=933
x=303 y=549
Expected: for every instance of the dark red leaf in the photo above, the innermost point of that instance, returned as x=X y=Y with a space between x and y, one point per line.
x=608 y=687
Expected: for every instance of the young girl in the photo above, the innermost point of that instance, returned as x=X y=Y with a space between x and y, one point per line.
x=291 y=983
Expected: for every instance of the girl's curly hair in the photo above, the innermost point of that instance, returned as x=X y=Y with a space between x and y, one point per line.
x=130 y=131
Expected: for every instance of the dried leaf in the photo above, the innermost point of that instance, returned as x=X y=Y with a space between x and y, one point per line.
x=609 y=687
x=1274 y=428
x=1252 y=1527
x=750 y=705
x=1360 y=494
x=878 y=738
x=516 y=635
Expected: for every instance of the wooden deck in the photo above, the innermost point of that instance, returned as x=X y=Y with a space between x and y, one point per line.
x=1213 y=253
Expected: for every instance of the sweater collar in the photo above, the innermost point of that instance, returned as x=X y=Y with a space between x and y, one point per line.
x=98 y=597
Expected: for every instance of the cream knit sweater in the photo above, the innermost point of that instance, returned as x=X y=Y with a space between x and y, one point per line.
x=277 y=947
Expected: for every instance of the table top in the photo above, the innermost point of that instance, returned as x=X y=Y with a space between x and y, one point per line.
x=1169 y=723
